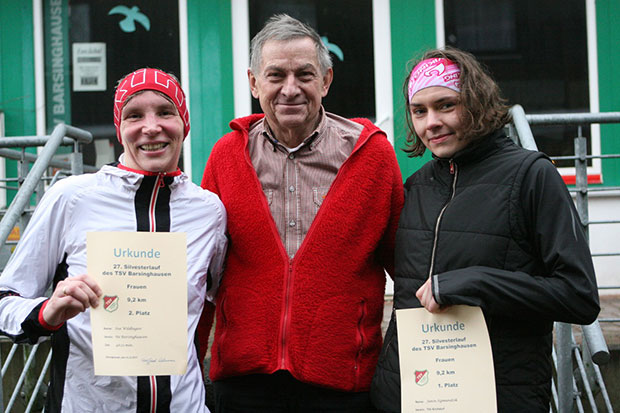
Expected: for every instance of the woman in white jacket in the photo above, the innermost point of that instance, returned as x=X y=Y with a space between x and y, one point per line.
x=144 y=191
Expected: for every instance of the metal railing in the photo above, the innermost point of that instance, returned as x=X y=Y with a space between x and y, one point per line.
x=29 y=382
x=569 y=388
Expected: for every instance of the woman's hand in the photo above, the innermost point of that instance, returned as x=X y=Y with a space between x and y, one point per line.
x=425 y=295
x=72 y=296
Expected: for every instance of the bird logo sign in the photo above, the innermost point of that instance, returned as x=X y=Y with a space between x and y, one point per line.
x=133 y=15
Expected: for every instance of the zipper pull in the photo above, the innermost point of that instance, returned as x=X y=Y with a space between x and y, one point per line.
x=451 y=167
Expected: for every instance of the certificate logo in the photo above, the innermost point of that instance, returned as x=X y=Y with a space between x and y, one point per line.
x=421 y=377
x=110 y=303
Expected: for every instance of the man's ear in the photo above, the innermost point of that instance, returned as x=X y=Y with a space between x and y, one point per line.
x=252 y=80
x=327 y=81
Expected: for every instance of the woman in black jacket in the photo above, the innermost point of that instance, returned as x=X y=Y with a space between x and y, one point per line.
x=489 y=224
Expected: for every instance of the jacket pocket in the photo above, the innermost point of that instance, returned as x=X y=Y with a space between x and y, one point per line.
x=361 y=339
x=318 y=196
x=269 y=195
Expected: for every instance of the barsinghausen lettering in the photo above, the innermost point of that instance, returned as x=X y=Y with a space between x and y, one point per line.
x=58 y=66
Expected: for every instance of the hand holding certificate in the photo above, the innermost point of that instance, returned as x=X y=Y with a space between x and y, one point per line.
x=141 y=327
x=446 y=362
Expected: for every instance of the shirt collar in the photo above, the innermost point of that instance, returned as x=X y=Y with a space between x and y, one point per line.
x=311 y=141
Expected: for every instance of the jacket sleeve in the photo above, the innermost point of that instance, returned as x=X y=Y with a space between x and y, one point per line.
x=567 y=290
x=205 y=322
x=208 y=178
x=30 y=270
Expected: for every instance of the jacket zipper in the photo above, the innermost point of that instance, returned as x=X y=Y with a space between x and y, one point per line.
x=285 y=316
x=455 y=172
x=360 y=333
x=159 y=182
x=289 y=276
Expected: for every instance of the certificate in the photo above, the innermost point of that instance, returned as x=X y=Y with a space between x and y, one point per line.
x=140 y=325
x=446 y=363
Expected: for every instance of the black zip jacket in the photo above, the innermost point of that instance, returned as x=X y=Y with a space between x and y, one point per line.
x=495 y=227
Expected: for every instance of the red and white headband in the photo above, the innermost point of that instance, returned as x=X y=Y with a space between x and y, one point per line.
x=434 y=72
x=149 y=79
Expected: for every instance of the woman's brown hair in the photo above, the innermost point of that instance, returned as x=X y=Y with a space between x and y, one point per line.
x=484 y=109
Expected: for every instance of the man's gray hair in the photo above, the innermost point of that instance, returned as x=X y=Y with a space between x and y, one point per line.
x=283 y=27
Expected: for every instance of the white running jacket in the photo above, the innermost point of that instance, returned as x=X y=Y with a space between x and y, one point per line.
x=53 y=247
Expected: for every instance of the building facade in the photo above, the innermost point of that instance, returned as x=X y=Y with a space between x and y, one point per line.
x=60 y=60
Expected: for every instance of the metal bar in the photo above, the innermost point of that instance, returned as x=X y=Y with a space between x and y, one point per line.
x=22 y=198
x=577 y=399
x=596 y=343
x=599 y=189
x=584 y=376
x=30 y=141
x=573 y=118
x=581 y=180
x=601 y=383
x=554 y=385
x=17 y=155
x=77 y=160
x=569 y=157
x=526 y=139
x=9 y=358
x=564 y=367
x=22 y=377
x=37 y=387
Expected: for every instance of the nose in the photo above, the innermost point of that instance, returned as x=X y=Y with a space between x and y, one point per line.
x=290 y=88
x=433 y=119
x=151 y=124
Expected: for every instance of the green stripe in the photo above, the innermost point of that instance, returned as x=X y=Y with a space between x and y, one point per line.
x=211 y=77
x=413 y=31
x=17 y=92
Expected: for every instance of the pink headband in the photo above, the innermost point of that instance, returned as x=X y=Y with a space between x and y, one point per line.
x=149 y=79
x=434 y=72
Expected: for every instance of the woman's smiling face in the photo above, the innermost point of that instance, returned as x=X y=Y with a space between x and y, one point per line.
x=152 y=133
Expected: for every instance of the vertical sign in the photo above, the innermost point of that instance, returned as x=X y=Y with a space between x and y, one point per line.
x=57 y=80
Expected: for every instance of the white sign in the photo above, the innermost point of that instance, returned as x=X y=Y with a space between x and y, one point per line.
x=89 y=67
x=140 y=328
x=446 y=362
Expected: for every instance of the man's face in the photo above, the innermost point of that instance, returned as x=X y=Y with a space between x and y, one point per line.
x=290 y=87
x=151 y=132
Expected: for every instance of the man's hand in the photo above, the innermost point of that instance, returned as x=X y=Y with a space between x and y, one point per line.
x=425 y=295
x=72 y=296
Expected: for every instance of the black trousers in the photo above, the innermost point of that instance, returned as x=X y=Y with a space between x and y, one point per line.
x=281 y=392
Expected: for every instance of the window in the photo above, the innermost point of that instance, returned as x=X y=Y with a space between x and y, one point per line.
x=89 y=45
x=537 y=50
x=352 y=94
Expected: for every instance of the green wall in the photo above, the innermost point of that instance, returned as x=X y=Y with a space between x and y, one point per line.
x=17 y=92
x=608 y=37
x=211 y=81
x=413 y=31
x=17 y=99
